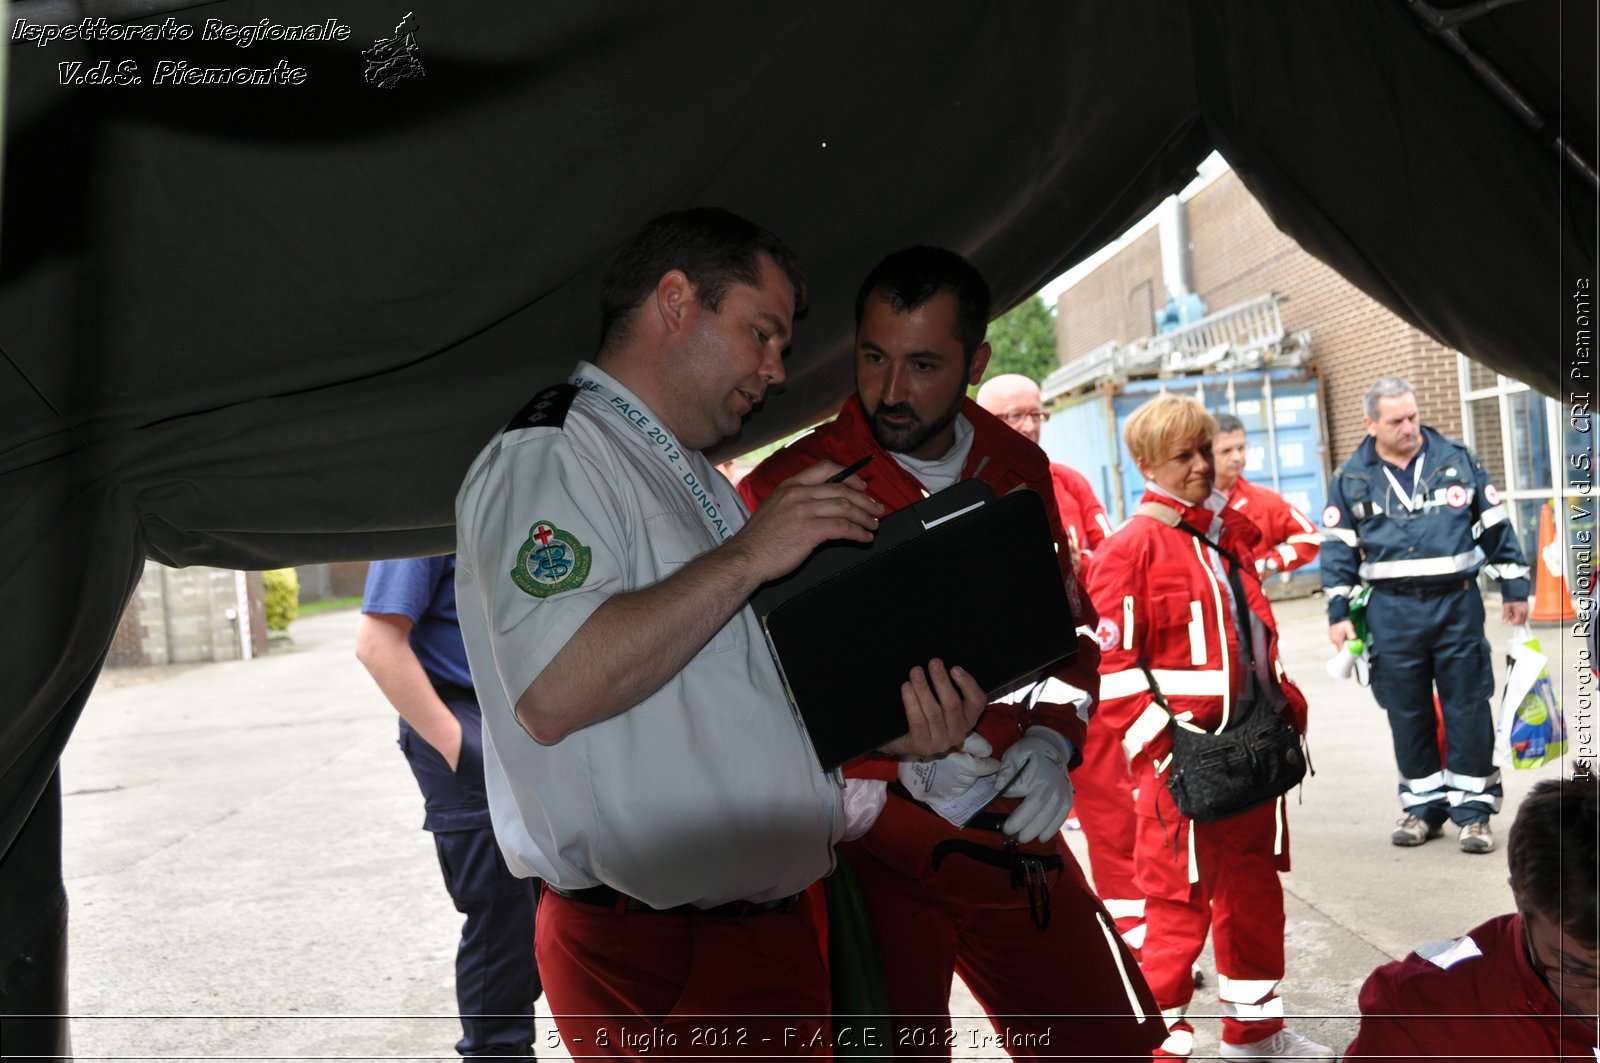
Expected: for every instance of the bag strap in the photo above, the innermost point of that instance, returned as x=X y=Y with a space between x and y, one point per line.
x=1169 y=516
x=1155 y=690
x=1246 y=641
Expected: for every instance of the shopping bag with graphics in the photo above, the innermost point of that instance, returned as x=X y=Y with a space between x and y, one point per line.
x=1532 y=731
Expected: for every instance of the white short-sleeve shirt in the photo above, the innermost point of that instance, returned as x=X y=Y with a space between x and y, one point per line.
x=705 y=792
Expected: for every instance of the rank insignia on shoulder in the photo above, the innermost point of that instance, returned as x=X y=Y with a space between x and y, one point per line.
x=551 y=561
x=548 y=409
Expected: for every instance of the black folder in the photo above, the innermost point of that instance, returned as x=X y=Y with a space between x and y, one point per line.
x=963 y=576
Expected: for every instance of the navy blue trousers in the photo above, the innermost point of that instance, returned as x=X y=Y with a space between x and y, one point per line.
x=1423 y=643
x=497 y=979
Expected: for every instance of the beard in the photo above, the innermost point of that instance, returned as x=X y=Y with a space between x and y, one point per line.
x=902 y=439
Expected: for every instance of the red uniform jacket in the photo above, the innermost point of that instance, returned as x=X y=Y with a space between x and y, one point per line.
x=1474 y=998
x=1288 y=538
x=1081 y=512
x=1004 y=460
x=1160 y=600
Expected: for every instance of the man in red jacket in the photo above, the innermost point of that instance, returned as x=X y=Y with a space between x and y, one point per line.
x=1103 y=797
x=1288 y=538
x=1015 y=399
x=1002 y=901
x=1521 y=986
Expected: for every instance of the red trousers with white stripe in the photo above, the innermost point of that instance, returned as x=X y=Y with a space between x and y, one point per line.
x=1239 y=899
x=1103 y=802
x=1072 y=990
x=632 y=985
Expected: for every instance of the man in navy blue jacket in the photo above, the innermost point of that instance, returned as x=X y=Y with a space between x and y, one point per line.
x=1415 y=515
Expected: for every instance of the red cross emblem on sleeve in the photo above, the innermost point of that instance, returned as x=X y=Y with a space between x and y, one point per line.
x=543 y=533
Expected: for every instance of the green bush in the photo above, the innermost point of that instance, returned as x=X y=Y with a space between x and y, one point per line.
x=280 y=590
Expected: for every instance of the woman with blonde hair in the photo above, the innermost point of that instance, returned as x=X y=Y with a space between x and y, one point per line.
x=1187 y=639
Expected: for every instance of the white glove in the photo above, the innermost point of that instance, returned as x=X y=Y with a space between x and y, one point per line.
x=948 y=775
x=862 y=801
x=1045 y=790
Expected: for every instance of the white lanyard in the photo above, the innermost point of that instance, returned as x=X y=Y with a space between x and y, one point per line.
x=1411 y=501
x=658 y=441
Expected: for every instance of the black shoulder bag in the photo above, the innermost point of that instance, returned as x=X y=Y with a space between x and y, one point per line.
x=1256 y=758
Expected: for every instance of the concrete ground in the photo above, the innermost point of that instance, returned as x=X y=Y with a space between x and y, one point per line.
x=248 y=877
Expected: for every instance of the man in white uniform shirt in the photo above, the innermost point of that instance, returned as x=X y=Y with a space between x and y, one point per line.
x=640 y=754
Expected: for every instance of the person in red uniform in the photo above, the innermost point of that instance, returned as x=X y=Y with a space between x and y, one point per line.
x=1015 y=399
x=1288 y=538
x=1002 y=902
x=1165 y=602
x=1521 y=986
x=1103 y=789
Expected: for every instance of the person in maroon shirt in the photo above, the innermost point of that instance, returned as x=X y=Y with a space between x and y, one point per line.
x=1522 y=986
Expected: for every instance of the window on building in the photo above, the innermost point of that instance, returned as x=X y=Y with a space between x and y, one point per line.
x=1483 y=423
x=1509 y=428
x=1480 y=377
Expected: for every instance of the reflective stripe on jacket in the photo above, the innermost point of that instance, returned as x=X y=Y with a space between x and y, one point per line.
x=1160 y=599
x=1459 y=526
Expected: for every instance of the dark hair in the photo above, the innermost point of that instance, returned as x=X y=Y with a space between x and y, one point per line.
x=1227 y=422
x=1553 y=854
x=909 y=278
x=714 y=248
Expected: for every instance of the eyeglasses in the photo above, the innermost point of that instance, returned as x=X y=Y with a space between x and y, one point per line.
x=1554 y=972
x=1016 y=417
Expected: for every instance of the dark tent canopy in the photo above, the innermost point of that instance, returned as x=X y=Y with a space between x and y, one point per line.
x=256 y=325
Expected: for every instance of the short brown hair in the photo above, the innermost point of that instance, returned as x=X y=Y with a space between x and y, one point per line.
x=1162 y=424
x=714 y=248
x=1553 y=854
x=1227 y=422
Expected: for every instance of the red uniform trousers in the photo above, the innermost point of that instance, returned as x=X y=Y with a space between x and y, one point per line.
x=1103 y=802
x=1072 y=990
x=1239 y=899
x=631 y=985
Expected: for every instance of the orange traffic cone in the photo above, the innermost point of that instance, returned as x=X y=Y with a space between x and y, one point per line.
x=1552 y=601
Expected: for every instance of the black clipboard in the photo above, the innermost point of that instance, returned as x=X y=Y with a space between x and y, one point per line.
x=963 y=576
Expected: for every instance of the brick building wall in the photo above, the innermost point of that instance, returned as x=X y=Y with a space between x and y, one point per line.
x=130 y=645
x=1237 y=254
x=347 y=578
x=1115 y=303
x=339 y=579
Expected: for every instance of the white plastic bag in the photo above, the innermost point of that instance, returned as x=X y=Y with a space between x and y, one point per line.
x=1532 y=730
